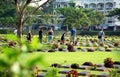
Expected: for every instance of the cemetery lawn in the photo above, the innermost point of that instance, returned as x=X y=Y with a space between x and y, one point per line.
x=79 y=57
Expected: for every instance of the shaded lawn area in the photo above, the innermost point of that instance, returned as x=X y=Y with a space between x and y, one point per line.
x=79 y=57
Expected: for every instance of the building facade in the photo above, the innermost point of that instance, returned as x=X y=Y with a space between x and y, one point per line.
x=103 y=6
x=67 y=3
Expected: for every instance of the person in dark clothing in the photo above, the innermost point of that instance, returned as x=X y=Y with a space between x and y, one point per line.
x=63 y=38
x=40 y=35
x=29 y=36
x=50 y=35
x=101 y=35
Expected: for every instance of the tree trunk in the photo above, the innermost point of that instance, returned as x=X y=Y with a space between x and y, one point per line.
x=19 y=28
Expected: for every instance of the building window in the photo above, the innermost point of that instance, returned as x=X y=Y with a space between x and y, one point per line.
x=86 y=6
x=109 y=21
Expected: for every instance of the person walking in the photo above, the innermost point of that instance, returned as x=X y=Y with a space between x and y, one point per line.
x=101 y=35
x=40 y=35
x=50 y=35
x=29 y=36
x=73 y=35
x=63 y=38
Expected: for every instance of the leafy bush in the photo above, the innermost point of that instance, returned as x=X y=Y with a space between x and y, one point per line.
x=72 y=73
x=117 y=62
x=56 y=65
x=14 y=62
x=109 y=33
x=53 y=72
x=5 y=31
x=90 y=49
x=116 y=44
x=70 y=48
x=75 y=66
x=88 y=64
x=51 y=50
x=108 y=62
x=55 y=46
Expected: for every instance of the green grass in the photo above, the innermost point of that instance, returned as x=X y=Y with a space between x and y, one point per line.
x=67 y=58
x=78 y=57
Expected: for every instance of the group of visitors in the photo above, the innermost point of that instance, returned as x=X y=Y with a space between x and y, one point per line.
x=50 y=33
x=50 y=36
x=72 y=39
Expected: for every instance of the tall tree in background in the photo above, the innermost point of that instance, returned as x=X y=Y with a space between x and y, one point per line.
x=95 y=17
x=21 y=8
x=115 y=12
x=49 y=7
x=73 y=17
x=7 y=14
x=81 y=17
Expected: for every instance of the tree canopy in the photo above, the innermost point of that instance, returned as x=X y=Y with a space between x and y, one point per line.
x=7 y=13
x=115 y=12
x=81 y=17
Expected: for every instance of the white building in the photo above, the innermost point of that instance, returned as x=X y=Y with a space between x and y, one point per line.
x=103 y=6
x=98 y=5
x=36 y=3
x=67 y=3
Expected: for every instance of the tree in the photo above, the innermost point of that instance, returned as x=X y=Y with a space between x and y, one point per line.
x=73 y=17
x=7 y=13
x=81 y=17
x=95 y=18
x=115 y=12
x=49 y=7
x=21 y=8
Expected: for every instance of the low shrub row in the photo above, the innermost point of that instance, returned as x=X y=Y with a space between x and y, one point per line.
x=108 y=33
x=5 y=31
x=60 y=32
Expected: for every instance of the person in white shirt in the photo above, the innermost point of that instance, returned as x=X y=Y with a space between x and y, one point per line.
x=15 y=32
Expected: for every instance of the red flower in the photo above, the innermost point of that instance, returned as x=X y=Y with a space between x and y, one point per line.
x=12 y=43
x=56 y=45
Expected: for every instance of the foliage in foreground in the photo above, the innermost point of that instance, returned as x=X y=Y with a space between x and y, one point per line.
x=14 y=61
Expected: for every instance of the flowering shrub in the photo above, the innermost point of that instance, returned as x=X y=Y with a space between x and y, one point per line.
x=108 y=62
x=70 y=47
x=72 y=73
x=12 y=44
x=55 y=45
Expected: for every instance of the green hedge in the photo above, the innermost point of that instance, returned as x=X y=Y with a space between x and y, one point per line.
x=60 y=32
x=6 y=31
x=109 y=33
